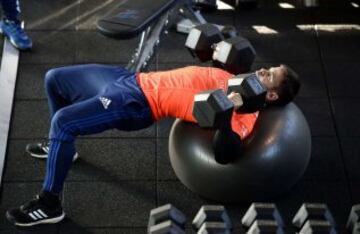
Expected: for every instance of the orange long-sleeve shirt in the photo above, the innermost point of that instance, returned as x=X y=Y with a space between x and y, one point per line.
x=171 y=94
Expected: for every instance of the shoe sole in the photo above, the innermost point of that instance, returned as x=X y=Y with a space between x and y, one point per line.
x=41 y=156
x=44 y=221
x=38 y=155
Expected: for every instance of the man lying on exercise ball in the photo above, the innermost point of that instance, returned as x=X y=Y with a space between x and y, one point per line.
x=88 y=99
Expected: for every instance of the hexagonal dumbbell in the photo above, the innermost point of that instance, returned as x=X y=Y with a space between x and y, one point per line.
x=263 y=218
x=166 y=219
x=353 y=223
x=235 y=55
x=200 y=41
x=251 y=90
x=212 y=109
x=314 y=218
x=212 y=219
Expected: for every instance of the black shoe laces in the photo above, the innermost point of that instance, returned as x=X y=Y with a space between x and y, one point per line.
x=31 y=205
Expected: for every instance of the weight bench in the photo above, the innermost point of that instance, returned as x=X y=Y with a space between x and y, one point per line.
x=148 y=18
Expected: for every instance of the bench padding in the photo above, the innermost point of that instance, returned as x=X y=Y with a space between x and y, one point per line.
x=131 y=17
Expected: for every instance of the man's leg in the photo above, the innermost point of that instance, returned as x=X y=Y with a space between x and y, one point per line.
x=81 y=118
x=121 y=105
x=10 y=26
x=72 y=84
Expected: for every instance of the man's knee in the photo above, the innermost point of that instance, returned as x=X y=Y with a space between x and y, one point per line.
x=63 y=128
x=50 y=79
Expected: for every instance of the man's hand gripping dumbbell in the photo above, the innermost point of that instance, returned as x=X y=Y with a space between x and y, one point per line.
x=214 y=109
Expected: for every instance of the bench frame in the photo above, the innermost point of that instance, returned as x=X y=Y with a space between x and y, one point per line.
x=149 y=40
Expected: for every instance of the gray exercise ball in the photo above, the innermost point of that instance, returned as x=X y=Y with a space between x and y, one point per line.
x=274 y=158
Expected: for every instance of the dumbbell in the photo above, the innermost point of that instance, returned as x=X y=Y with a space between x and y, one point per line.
x=235 y=55
x=200 y=40
x=222 y=44
x=353 y=223
x=212 y=219
x=213 y=109
x=263 y=218
x=314 y=218
x=251 y=90
x=202 y=37
x=166 y=219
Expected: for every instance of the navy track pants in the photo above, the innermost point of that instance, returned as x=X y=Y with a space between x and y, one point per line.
x=88 y=99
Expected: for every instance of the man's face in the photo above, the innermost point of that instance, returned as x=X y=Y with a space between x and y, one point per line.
x=271 y=78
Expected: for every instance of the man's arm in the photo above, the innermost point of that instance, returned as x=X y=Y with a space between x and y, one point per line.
x=227 y=145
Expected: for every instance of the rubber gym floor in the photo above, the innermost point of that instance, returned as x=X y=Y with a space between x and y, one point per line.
x=121 y=176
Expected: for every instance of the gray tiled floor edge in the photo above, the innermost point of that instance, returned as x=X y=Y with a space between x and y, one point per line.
x=8 y=73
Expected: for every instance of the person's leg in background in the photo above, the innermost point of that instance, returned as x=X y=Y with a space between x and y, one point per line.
x=125 y=107
x=10 y=25
x=68 y=85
